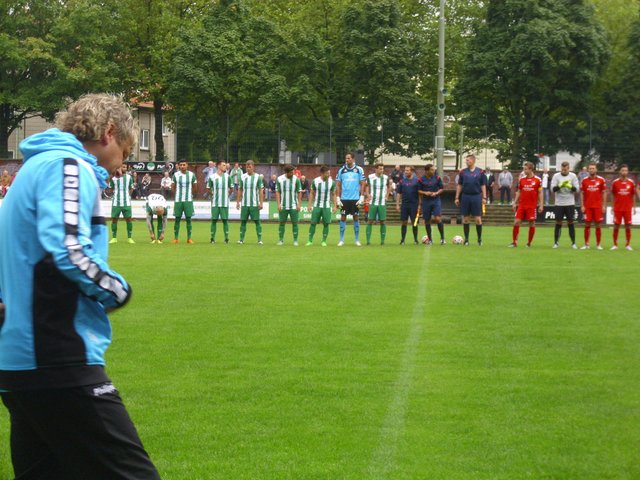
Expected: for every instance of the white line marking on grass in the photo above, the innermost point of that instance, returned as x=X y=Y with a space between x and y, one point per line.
x=384 y=455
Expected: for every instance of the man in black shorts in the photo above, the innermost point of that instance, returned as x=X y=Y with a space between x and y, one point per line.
x=407 y=202
x=565 y=184
x=350 y=184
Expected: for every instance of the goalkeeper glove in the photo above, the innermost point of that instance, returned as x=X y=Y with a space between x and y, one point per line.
x=360 y=201
x=338 y=203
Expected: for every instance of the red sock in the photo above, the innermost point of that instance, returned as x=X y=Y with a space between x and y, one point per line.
x=627 y=232
x=532 y=232
x=598 y=235
x=587 y=234
x=616 y=232
x=516 y=232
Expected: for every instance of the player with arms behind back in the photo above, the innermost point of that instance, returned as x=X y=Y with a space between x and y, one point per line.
x=184 y=183
x=431 y=187
x=471 y=194
x=121 y=185
x=220 y=184
x=377 y=188
x=624 y=205
x=321 y=198
x=251 y=197
x=288 y=197
x=529 y=200
x=350 y=195
x=593 y=196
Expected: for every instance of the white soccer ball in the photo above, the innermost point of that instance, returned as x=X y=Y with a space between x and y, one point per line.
x=457 y=240
x=425 y=239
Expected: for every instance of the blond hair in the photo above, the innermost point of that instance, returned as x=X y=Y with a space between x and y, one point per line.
x=89 y=117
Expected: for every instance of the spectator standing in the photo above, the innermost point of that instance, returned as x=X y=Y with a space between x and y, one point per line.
x=136 y=185
x=208 y=172
x=545 y=186
x=5 y=182
x=305 y=186
x=297 y=172
x=490 y=181
x=145 y=185
x=271 y=190
x=505 y=180
x=396 y=175
x=584 y=173
x=236 y=175
x=165 y=185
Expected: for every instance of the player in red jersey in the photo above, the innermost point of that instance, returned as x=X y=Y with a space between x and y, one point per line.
x=624 y=204
x=593 y=198
x=528 y=202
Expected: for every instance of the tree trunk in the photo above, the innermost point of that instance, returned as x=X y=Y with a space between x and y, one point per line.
x=5 y=130
x=157 y=134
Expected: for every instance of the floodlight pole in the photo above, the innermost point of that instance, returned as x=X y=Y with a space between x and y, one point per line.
x=439 y=144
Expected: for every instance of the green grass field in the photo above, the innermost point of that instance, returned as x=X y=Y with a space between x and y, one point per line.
x=248 y=362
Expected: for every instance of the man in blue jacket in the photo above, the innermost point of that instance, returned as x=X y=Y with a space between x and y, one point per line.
x=67 y=419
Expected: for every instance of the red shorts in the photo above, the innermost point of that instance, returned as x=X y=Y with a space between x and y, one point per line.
x=528 y=214
x=619 y=217
x=593 y=215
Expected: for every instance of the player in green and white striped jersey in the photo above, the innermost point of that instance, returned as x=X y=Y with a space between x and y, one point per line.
x=184 y=182
x=220 y=184
x=322 y=203
x=251 y=197
x=377 y=188
x=288 y=197
x=156 y=205
x=122 y=187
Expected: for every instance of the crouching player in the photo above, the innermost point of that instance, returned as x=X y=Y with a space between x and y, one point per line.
x=624 y=205
x=322 y=203
x=156 y=205
x=528 y=196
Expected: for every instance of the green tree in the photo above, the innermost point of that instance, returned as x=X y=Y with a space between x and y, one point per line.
x=149 y=34
x=49 y=52
x=624 y=100
x=528 y=74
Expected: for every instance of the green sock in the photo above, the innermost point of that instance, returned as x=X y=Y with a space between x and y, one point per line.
x=325 y=232
x=243 y=229
x=295 y=232
x=114 y=229
x=259 y=230
x=189 y=228
x=225 y=228
x=369 y=228
x=129 y=229
x=312 y=231
x=214 y=224
x=280 y=231
x=176 y=228
x=383 y=232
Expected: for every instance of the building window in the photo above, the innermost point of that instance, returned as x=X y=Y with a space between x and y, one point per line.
x=11 y=154
x=165 y=128
x=144 y=140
